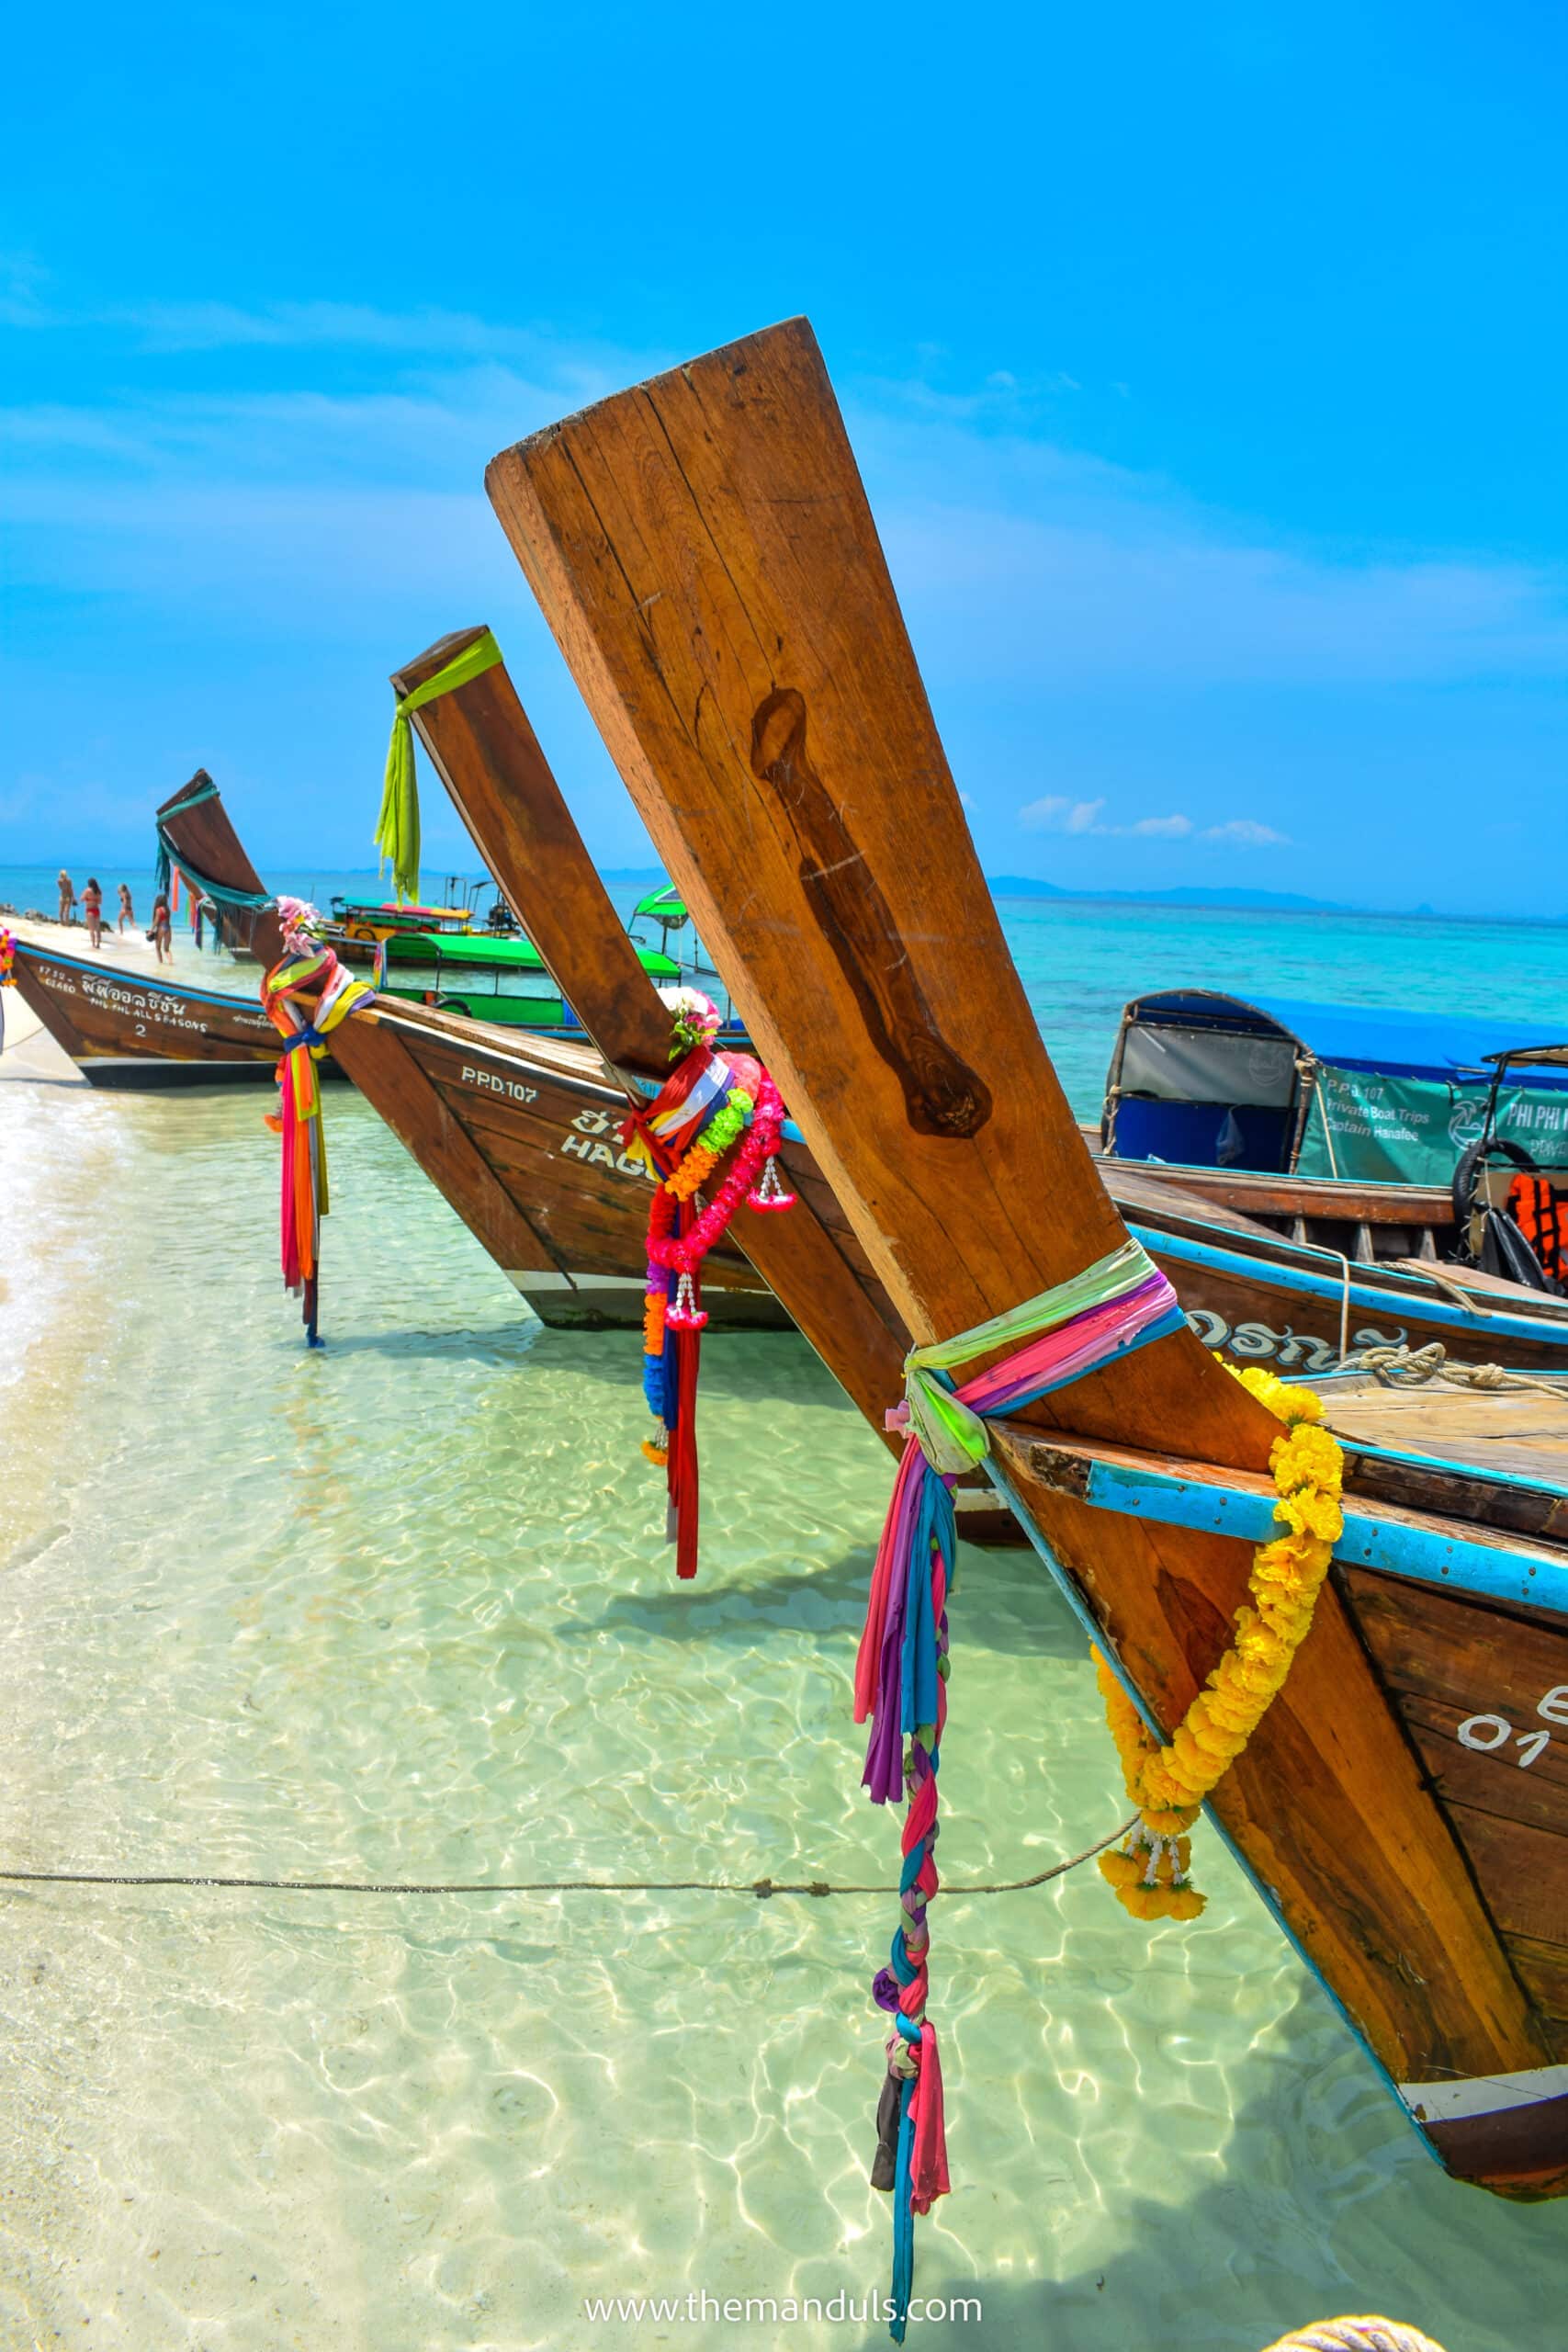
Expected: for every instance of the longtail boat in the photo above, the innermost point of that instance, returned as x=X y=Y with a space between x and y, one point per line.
x=703 y=551
x=1349 y=1094
x=125 y=1026
x=1364 y=1219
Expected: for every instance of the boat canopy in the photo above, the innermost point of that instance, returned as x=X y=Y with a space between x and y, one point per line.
x=402 y=915
x=666 y=906
x=1212 y=1080
x=509 y=954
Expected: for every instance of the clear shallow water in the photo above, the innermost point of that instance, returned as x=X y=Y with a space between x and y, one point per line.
x=1082 y=959
x=401 y=1609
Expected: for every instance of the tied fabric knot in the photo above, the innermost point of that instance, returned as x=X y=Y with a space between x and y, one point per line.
x=397 y=825
x=1119 y=1304
x=308 y=973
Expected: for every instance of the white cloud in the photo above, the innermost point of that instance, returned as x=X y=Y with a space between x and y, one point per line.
x=1244 y=831
x=1057 y=814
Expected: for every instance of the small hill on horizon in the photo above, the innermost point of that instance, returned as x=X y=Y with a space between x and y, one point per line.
x=1024 y=885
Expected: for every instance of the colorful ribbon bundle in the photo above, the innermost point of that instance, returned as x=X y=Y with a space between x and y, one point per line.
x=311 y=974
x=8 y=974
x=709 y=1104
x=1123 y=1302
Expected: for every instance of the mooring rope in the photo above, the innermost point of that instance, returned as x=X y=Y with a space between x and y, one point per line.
x=1406 y=1367
x=761 y=1888
x=1366 y=2334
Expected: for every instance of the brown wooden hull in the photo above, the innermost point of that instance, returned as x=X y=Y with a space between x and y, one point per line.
x=1478 y=1681
x=523 y=1145
x=703 y=551
x=122 y=1028
x=1395 y=1216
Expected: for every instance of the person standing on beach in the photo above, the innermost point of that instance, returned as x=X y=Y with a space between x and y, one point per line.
x=127 y=911
x=93 y=911
x=162 y=941
x=67 y=895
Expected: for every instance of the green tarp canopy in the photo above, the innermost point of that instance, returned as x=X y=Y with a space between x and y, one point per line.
x=473 y=949
x=665 y=905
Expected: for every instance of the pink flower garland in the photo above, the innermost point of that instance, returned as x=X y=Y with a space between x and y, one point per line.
x=683 y=1254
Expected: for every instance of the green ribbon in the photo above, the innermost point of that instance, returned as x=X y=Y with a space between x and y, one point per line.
x=397 y=827
x=951 y=1437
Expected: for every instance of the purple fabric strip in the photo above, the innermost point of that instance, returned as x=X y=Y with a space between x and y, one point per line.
x=884 y=1773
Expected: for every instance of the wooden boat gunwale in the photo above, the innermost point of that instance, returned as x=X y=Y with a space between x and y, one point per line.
x=1388 y=1536
x=1500 y=1324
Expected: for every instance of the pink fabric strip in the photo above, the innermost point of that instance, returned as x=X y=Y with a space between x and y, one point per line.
x=892 y=1554
x=1073 y=1349
x=927 y=2166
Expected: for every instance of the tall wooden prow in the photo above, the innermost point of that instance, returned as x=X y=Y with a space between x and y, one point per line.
x=487 y=755
x=195 y=825
x=702 y=549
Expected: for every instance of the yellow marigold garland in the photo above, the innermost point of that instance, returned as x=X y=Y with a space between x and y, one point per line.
x=1169 y=1784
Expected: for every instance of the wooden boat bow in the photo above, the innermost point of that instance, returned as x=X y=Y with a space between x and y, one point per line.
x=702 y=549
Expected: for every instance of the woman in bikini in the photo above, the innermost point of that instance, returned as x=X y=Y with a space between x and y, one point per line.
x=162 y=941
x=127 y=912
x=92 y=912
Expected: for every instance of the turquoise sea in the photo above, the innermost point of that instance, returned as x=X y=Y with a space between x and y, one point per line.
x=400 y=1610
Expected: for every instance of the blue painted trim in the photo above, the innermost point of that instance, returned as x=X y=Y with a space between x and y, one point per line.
x=1096 y=1634
x=134 y=979
x=1366 y=1300
x=1424 y=1553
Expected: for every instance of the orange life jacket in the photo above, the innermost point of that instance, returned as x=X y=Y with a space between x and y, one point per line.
x=1543 y=1218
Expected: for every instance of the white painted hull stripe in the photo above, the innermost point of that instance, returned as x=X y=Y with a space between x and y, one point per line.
x=1485 y=2094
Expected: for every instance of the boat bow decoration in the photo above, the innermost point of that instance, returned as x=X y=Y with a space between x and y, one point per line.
x=711 y=1103
x=309 y=975
x=396 y=826
x=1121 y=1303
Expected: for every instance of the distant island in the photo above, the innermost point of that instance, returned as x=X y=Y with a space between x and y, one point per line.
x=1022 y=885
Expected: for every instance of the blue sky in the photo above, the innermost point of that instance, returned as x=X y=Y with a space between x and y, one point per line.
x=1206 y=369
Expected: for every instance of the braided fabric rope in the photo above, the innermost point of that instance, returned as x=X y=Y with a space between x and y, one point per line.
x=1121 y=1303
